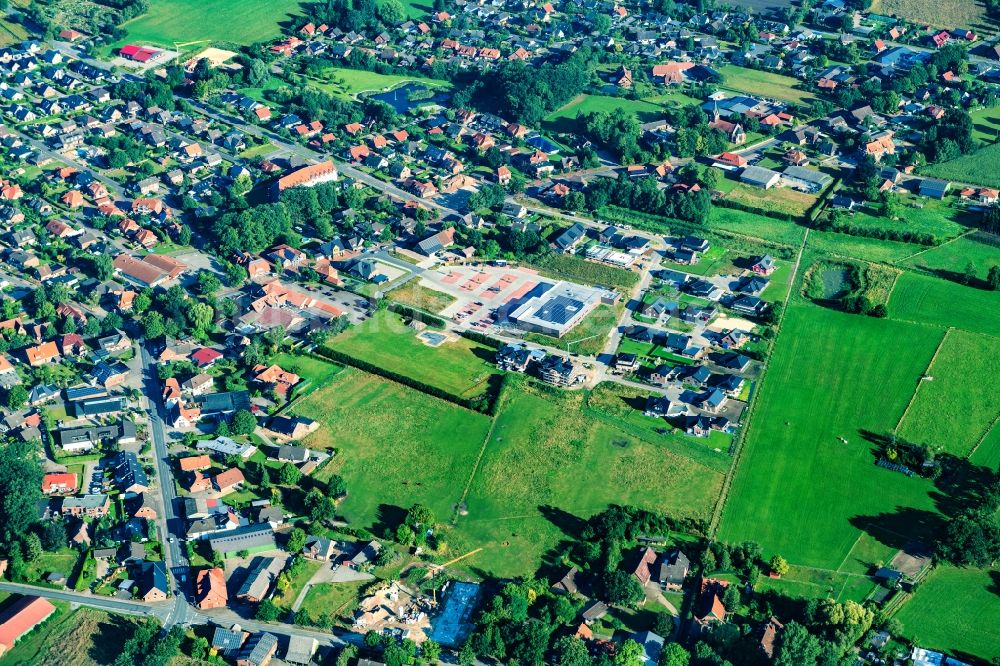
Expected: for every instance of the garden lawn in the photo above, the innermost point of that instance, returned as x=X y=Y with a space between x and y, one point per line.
x=953 y=610
x=245 y=22
x=964 y=377
x=755 y=226
x=764 y=84
x=394 y=446
x=978 y=168
x=569 y=117
x=714 y=262
x=981 y=249
x=316 y=371
x=798 y=490
x=548 y=465
x=460 y=367
x=306 y=571
x=418 y=296
x=929 y=300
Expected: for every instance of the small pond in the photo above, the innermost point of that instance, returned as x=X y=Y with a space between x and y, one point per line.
x=409 y=96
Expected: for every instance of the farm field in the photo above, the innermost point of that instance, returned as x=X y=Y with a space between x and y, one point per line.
x=973 y=168
x=799 y=490
x=964 y=372
x=981 y=249
x=424 y=298
x=170 y=21
x=564 y=119
x=547 y=466
x=395 y=446
x=756 y=226
x=460 y=366
x=776 y=200
x=951 y=609
x=766 y=84
x=11 y=33
x=929 y=300
x=941 y=13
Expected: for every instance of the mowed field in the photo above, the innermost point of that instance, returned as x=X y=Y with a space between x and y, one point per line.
x=925 y=299
x=394 y=445
x=460 y=367
x=986 y=124
x=980 y=249
x=244 y=22
x=799 y=490
x=978 y=168
x=941 y=13
x=548 y=464
x=955 y=610
x=349 y=82
x=565 y=118
x=964 y=375
x=765 y=84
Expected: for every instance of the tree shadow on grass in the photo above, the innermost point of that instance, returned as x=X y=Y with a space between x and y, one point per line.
x=388 y=518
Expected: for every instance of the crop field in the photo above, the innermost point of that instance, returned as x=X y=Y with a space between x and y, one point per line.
x=986 y=124
x=799 y=490
x=765 y=84
x=981 y=249
x=964 y=376
x=776 y=200
x=940 y=13
x=930 y=300
x=950 y=611
x=565 y=118
x=977 y=168
x=424 y=298
x=547 y=465
x=395 y=446
x=756 y=226
x=171 y=21
x=461 y=367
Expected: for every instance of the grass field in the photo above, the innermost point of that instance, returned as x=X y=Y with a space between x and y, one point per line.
x=932 y=217
x=775 y=200
x=395 y=446
x=588 y=337
x=940 y=13
x=564 y=119
x=756 y=226
x=170 y=21
x=336 y=598
x=926 y=299
x=318 y=372
x=982 y=249
x=859 y=247
x=964 y=373
x=951 y=609
x=349 y=82
x=765 y=84
x=424 y=298
x=11 y=33
x=576 y=269
x=799 y=491
x=547 y=465
x=986 y=124
x=84 y=637
x=972 y=168
x=461 y=367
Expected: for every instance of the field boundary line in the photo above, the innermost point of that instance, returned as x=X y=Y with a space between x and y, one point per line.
x=983 y=438
x=501 y=399
x=934 y=247
x=850 y=550
x=727 y=483
x=920 y=381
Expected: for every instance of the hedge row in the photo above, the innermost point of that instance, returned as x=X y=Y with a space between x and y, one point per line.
x=416 y=315
x=482 y=339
